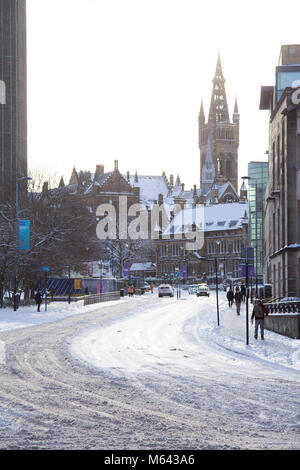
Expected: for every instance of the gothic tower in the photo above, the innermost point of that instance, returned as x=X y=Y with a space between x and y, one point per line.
x=219 y=136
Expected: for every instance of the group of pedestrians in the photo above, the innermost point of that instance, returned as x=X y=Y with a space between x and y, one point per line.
x=259 y=310
x=237 y=297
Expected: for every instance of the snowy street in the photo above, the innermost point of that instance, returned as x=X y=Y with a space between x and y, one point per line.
x=145 y=373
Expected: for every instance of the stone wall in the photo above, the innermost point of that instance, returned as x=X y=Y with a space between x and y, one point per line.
x=286 y=325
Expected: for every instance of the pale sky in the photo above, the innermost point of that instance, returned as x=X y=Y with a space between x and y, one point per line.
x=123 y=80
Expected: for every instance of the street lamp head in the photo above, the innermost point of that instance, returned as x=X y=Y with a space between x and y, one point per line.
x=24 y=178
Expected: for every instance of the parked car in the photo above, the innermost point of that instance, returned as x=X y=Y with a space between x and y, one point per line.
x=202 y=289
x=290 y=299
x=165 y=290
x=192 y=288
x=146 y=287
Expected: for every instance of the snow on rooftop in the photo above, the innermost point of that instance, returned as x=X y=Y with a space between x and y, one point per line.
x=150 y=187
x=142 y=266
x=209 y=218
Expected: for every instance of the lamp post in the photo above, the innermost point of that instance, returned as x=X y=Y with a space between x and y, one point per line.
x=101 y=273
x=256 y=241
x=217 y=287
x=18 y=180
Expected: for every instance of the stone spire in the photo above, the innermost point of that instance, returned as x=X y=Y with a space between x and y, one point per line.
x=74 y=177
x=201 y=118
x=218 y=111
x=236 y=114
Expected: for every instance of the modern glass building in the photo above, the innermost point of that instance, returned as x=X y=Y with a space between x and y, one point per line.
x=13 y=95
x=258 y=173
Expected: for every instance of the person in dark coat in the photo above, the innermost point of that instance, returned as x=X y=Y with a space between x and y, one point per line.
x=243 y=292
x=238 y=300
x=230 y=296
x=259 y=313
x=38 y=300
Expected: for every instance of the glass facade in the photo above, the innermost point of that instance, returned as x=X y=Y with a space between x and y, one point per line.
x=258 y=173
x=287 y=77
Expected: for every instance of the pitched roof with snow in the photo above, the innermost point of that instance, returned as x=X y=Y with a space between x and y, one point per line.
x=150 y=187
x=218 y=217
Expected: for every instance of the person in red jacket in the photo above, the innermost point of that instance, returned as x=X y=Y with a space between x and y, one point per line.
x=259 y=313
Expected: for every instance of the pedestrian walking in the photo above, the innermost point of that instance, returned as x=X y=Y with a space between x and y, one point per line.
x=130 y=291
x=152 y=287
x=230 y=296
x=38 y=300
x=52 y=292
x=243 y=292
x=238 y=300
x=259 y=313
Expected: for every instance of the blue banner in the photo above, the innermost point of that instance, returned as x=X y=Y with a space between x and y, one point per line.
x=24 y=234
x=243 y=273
x=126 y=270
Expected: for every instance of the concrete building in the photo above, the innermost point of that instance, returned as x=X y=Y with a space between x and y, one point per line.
x=282 y=207
x=13 y=107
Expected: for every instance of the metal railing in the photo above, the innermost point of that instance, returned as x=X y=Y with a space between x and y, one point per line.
x=97 y=298
x=283 y=307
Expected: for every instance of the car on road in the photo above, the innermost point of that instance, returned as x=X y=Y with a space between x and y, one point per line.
x=146 y=287
x=165 y=290
x=192 y=288
x=290 y=299
x=202 y=289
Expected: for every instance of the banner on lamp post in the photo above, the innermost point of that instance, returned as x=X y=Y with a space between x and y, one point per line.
x=23 y=235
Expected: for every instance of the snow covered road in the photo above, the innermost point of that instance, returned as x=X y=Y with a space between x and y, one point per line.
x=147 y=373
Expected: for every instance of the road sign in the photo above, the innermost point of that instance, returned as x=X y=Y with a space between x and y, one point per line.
x=177 y=274
x=46 y=268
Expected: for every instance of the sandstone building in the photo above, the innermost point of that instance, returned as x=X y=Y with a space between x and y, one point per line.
x=218 y=138
x=282 y=205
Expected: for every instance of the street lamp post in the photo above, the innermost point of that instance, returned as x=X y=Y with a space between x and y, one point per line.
x=256 y=242
x=217 y=287
x=18 y=180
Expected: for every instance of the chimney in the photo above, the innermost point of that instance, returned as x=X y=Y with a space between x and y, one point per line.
x=99 y=170
x=182 y=186
x=45 y=187
x=160 y=199
x=172 y=180
x=116 y=164
x=128 y=176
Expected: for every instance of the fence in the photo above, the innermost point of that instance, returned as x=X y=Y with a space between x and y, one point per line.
x=283 y=307
x=97 y=298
